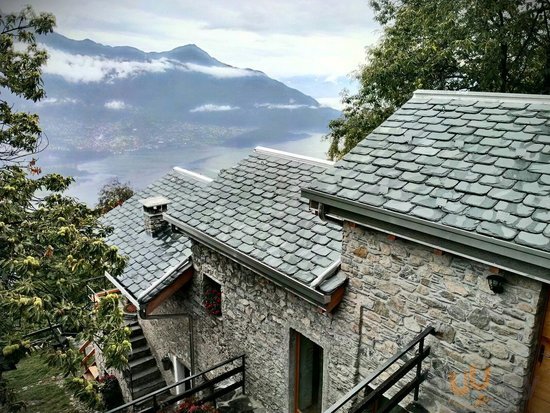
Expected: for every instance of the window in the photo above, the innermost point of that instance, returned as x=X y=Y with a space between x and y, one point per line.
x=212 y=296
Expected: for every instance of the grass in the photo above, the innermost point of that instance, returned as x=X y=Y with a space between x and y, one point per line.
x=40 y=386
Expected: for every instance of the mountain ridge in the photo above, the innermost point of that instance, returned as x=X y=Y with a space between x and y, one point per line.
x=106 y=98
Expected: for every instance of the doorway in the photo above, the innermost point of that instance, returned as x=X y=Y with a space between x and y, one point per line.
x=539 y=396
x=181 y=371
x=307 y=359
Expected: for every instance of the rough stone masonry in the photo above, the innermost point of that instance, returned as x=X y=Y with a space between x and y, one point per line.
x=481 y=358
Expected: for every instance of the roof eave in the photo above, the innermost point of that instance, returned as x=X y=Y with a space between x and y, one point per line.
x=522 y=260
x=182 y=266
x=123 y=290
x=309 y=294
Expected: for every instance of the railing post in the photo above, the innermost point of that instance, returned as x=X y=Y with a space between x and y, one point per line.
x=244 y=373
x=419 y=368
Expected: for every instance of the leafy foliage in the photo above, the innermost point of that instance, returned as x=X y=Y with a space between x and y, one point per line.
x=88 y=392
x=113 y=194
x=492 y=46
x=21 y=72
x=50 y=245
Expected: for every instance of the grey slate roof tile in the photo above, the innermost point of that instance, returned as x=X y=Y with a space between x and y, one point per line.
x=508 y=195
x=538 y=241
x=451 y=207
x=444 y=194
x=472 y=188
x=460 y=221
x=430 y=214
x=272 y=223
x=149 y=258
x=399 y=206
x=497 y=181
x=527 y=224
x=484 y=166
x=542 y=215
x=496 y=230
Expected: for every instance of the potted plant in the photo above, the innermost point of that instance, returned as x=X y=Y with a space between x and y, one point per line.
x=193 y=406
x=212 y=301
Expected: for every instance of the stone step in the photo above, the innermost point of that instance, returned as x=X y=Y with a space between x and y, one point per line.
x=139 y=352
x=131 y=322
x=138 y=341
x=142 y=363
x=135 y=330
x=130 y=316
x=145 y=376
x=148 y=387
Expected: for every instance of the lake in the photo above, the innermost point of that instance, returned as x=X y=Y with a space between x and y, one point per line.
x=142 y=167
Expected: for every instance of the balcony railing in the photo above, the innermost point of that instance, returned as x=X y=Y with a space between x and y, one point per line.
x=161 y=398
x=374 y=401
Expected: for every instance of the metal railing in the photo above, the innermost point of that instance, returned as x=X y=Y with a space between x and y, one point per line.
x=374 y=401
x=206 y=384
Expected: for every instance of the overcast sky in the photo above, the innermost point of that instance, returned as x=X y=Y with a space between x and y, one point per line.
x=285 y=39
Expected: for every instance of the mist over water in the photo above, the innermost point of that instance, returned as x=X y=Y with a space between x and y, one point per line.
x=142 y=167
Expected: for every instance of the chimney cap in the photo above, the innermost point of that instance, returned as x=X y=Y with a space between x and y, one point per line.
x=154 y=201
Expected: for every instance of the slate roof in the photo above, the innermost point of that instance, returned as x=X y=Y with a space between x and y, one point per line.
x=479 y=162
x=151 y=261
x=255 y=208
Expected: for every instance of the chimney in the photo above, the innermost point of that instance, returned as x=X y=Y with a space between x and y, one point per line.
x=153 y=208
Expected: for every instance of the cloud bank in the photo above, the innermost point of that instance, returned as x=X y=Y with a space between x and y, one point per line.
x=209 y=107
x=83 y=68
x=116 y=105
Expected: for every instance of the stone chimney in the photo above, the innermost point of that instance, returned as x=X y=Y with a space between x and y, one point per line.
x=153 y=208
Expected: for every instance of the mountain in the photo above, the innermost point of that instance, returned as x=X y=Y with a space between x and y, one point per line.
x=103 y=99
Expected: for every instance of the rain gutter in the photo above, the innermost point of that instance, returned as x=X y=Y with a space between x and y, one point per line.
x=519 y=259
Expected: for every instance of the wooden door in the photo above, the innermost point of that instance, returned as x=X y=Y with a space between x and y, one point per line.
x=308 y=372
x=539 y=400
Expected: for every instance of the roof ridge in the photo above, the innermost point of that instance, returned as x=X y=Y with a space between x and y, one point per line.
x=508 y=97
x=294 y=156
x=192 y=174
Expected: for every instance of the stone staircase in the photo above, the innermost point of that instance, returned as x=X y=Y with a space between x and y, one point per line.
x=143 y=375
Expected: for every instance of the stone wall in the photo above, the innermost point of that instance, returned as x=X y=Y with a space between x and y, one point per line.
x=481 y=359
x=258 y=318
x=169 y=336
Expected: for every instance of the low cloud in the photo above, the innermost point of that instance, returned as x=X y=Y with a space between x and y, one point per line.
x=221 y=71
x=331 y=102
x=87 y=69
x=116 y=105
x=289 y=106
x=56 y=101
x=80 y=68
x=213 y=108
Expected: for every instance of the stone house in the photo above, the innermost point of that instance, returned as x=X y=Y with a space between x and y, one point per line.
x=439 y=218
x=159 y=264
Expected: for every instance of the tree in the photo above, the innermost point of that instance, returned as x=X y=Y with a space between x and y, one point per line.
x=50 y=245
x=113 y=194
x=492 y=46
